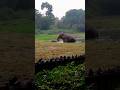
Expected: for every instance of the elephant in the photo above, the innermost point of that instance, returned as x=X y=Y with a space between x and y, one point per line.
x=65 y=38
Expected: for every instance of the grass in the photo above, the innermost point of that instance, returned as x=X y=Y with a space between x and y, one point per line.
x=46 y=49
x=45 y=37
x=17 y=25
x=56 y=31
x=52 y=49
x=66 y=77
x=70 y=76
x=48 y=37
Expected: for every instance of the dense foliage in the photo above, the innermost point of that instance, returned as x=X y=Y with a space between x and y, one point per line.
x=62 y=78
x=44 y=22
x=74 y=19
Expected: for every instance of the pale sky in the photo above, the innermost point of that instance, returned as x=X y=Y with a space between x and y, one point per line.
x=61 y=6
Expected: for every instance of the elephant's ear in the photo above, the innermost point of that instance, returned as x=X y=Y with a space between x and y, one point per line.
x=61 y=33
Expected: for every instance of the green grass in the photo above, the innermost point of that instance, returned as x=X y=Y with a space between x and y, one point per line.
x=70 y=77
x=45 y=37
x=48 y=37
x=17 y=25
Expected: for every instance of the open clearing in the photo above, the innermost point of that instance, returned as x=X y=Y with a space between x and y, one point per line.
x=48 y=50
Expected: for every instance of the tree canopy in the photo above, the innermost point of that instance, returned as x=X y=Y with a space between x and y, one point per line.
x=73 y=19
x=44 y=22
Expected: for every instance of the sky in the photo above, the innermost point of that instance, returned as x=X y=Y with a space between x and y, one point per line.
x=60 y=7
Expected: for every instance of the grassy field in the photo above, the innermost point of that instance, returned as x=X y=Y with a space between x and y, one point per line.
x=70 y=76
x=56 y=31
x=46 y=49
x=49 y=49
x=48 y=37
x=45 y=37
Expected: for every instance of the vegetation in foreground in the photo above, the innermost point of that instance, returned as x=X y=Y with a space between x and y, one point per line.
x=66 y=77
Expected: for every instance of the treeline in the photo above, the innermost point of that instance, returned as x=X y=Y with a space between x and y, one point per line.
x=73 y=19
x=102 y=7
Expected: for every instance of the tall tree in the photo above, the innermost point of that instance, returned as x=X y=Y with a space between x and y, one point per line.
x=44 y=22
x=73 y=19
x=49 y=8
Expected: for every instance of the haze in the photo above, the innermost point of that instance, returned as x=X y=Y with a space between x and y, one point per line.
x=60 y=7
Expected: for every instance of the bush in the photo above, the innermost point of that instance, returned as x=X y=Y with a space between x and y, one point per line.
x=68 y=77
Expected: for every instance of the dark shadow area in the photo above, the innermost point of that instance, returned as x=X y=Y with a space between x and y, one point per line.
x=102 y=44
x=17 y=44
x=54 y=62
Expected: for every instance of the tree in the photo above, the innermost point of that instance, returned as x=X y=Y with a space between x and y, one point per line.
x=38 y=18
x=49 y=8
x=44 y=22
x=49 y=13
x=73 y=19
